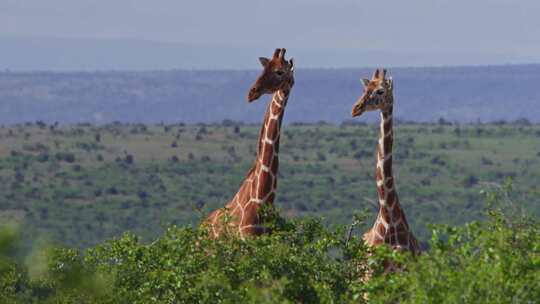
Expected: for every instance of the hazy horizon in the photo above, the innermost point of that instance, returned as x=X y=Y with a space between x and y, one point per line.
x=455 y=94
x=138 y=35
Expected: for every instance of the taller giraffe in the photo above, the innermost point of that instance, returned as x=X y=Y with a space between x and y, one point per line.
x=391 y=226
x=240 y=215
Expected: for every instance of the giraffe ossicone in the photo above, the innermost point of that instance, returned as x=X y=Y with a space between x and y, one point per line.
x=241 y=215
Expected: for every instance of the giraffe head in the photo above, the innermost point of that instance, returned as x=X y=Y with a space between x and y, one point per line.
x=277 y=74
x=377 y=94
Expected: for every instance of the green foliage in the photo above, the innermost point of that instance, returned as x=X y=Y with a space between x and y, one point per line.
x=77 y=191
x=184 y=266
x=301 y=261
x=495 y=262
x=69 y=197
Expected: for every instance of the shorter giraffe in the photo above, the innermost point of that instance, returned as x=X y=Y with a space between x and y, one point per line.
x=391 y=226
x=258 y=189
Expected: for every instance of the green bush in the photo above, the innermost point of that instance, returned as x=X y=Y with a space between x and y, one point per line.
x=493 y=262
x=65 y=156
x=301 y=261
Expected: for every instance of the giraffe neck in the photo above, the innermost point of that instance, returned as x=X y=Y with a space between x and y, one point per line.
x=391 y=216
x=266 y=166
x=260 y=185
x=391 y=226
x=384 y=175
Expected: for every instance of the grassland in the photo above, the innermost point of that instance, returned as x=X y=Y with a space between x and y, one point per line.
x=80 y=185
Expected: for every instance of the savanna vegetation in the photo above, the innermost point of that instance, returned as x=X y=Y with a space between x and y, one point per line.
x=109 y=214
x=81 y=185
x=492 y=261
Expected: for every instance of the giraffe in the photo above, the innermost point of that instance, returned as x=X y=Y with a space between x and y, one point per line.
x=258 y=189
x=391 y=226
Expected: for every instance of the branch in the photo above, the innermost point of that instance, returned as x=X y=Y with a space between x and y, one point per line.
x=373 y=204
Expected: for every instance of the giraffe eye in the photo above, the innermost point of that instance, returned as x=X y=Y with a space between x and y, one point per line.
x=280 y=72
x=380 y=92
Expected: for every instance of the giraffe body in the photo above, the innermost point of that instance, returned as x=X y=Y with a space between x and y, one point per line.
x=241 y=215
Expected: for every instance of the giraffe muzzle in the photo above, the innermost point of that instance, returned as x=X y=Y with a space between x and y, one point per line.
x=358 y=109
x=254 y=94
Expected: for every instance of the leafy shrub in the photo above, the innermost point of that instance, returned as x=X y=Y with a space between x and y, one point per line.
x=321 y=156
x=90 y=146
x=43 y=157
x=129 y=159
x=226 y=272
x=65 y=156
x=301 y=261
x=493 y=262
x=36 y=147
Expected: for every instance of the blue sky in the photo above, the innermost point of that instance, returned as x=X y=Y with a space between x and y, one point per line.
x=424 y=32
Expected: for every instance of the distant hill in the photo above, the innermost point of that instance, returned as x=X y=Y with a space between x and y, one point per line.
x=461 y=94
x=27 y=53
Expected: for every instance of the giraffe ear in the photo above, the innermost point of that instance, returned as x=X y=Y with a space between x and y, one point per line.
x=365 y=82
x=291 y=64
x=264 y=61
